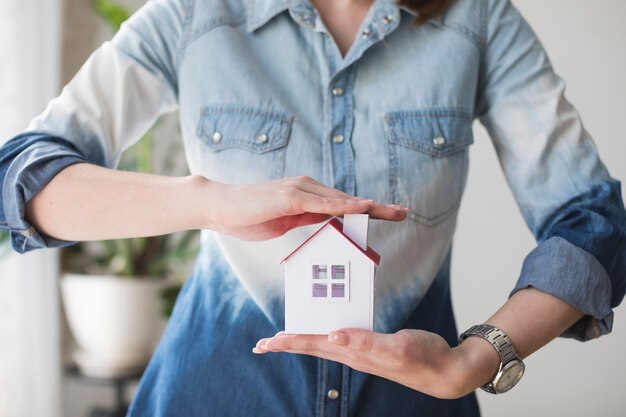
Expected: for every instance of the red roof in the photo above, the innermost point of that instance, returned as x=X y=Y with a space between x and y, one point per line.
x=338 y=226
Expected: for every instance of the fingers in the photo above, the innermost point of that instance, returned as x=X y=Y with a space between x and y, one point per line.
x=312 y=345
x=357 y=348
x=304 y=202
x=304 y=343
x=319 y=346
x=317 y=198
x=262 y=348
x=360 y=342
x=355 y=340
x=376 y=210
x=322 y=190
x=316 y=345
x=391 y=212
x=363 y=350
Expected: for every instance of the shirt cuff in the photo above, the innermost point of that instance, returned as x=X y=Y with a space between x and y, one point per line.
x=568 y=272
x=26 y=175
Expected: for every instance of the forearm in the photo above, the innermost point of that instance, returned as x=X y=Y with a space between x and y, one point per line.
x=530 y=318
x=88 y=202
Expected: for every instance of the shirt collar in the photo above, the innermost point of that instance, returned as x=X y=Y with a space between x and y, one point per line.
x=259 y=12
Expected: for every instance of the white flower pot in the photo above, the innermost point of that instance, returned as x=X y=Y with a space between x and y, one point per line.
x=116 y=321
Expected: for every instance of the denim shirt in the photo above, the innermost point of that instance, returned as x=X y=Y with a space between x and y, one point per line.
x=264 y=93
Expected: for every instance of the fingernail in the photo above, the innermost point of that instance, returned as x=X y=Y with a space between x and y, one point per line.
x=338 y=338
x=260 y=343
x=399 y=208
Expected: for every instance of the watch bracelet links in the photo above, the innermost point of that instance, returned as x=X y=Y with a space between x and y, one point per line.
x=500 y=340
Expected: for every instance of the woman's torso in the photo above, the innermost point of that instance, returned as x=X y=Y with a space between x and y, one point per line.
x=264 y=94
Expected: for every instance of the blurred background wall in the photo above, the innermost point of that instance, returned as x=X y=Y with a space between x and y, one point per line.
x=585 y=41
x=30 y=369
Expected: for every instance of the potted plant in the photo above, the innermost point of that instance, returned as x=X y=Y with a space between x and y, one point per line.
x=5 y=245
x=115 y=291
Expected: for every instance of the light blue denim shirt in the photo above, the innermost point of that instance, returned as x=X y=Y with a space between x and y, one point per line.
x=264 y=93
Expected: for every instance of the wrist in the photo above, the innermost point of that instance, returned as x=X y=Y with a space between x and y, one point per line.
x=205 y=196
x=476 y=363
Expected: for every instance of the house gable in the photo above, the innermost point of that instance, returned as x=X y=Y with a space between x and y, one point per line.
x=336 y=226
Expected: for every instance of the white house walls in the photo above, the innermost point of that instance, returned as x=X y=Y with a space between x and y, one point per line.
x=305 y=315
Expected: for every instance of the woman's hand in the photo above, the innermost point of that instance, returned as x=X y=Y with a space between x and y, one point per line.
x=270 y=209
x=418 y=359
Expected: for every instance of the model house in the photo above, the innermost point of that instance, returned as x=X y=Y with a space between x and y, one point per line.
x=329 y=279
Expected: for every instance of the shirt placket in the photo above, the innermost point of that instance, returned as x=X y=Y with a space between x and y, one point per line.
x=333 y=384
x=333 y=389
x=339 y=93
x=339 y=112
x=338 y=98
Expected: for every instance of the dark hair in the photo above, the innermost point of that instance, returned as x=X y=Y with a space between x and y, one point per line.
x=426 y=9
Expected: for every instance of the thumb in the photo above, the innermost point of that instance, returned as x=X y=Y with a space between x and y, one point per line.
x=361 y=340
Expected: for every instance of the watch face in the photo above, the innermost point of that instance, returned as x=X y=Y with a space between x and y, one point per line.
x=511 y=374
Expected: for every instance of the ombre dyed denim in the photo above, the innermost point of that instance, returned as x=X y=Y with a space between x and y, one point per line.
x=263 y=93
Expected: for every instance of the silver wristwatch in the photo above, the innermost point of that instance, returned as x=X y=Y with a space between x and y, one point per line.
x=511 y=366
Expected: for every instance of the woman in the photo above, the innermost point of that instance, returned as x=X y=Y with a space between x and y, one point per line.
x=373 y=100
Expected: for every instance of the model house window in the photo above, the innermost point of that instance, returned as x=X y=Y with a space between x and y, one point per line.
x=330 y=287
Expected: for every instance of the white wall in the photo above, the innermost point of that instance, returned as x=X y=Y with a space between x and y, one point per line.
x=587 y=44
x=30 y=361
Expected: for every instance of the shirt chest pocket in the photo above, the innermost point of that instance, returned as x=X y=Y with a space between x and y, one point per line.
x=428 y=161
x=243 y=144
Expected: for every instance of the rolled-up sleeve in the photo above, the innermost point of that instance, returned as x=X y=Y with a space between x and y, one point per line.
x=565 y=193
x=115 y=97
x=27 y=163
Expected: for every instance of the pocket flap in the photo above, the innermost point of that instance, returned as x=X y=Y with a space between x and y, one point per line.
x=435 y=132
x=233 y=126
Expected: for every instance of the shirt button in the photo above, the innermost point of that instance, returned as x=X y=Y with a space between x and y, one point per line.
x=338 y=139
x=217 y=136
x=366 y=33
x=439 y=140
x=337 y=91
x=388 y=19
x=262 y=138
x=333 y=394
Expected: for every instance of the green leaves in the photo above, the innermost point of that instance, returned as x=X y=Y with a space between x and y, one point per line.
x=111 y=12
x=168 y=299
x=145 y=257
x=5 y=243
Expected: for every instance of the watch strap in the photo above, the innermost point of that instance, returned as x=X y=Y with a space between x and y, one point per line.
x=496 y=337
x=501 y=343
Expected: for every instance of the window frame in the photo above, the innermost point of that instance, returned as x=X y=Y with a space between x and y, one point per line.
x=329 y=281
